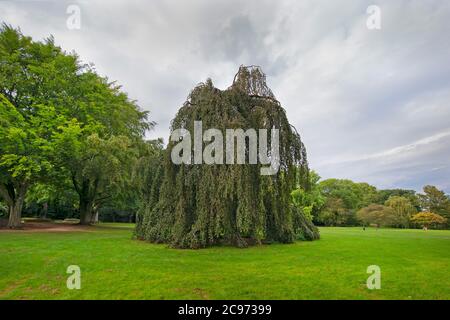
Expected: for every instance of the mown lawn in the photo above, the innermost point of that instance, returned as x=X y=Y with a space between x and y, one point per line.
x=414 y=264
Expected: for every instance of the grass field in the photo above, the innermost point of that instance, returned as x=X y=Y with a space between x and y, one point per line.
x=414 y=264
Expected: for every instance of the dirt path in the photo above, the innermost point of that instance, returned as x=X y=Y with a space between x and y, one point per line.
x=31 y=227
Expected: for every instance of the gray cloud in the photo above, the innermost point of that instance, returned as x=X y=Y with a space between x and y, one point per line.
x=369 y=104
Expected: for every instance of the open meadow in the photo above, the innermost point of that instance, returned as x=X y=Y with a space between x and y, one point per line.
x=414 y=264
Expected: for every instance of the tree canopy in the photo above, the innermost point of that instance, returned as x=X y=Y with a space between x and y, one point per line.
x=61 y=120
x=403 y=210
x=377 y=214
x=202 y=205
x=436 y=201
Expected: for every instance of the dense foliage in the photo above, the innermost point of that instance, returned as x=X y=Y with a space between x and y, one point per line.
x=202 y=205
x=336 y=202
x=61 y=124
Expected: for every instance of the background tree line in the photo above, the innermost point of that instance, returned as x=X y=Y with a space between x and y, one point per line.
x=342 y=202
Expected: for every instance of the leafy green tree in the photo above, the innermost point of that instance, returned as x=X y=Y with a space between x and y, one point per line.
x=385 y=194
x=25 y=147
x=343 y=199
x=428 y=219
x=403 y=210
x=202 y=205
x=341 y=189
x=366 y=194
x=377 y=214
x=309 y=199
x=333 y=213
x=137 y=183
x=436 y=201
x=41 y=194
x=354 y=195
x=53 y=199
x=97 y=149
x=31 y=85
x=97 y=167
x=57 y=110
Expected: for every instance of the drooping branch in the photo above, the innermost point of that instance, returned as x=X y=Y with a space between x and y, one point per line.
x=202 y=205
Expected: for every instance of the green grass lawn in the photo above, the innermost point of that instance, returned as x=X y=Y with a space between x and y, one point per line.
x=414 y=264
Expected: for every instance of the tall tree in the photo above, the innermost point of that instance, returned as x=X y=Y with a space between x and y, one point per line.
x=343 y=199
x=403 y=210
x=334 y=213
x=96 y=149
x=15 y=145
x=309 y=198
x=377 y=214
x=385 y=194
x=436 y=201
x=201 y=205
x=30 y=74
x=354 y=195
x=98 y=167
x=25 y=149
x=41 y=81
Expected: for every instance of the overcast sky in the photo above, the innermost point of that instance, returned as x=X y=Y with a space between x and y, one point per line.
x=370 y=105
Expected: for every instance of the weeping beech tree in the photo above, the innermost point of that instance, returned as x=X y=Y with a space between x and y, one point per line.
x=198 y=205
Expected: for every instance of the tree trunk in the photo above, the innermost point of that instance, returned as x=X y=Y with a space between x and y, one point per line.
x=14 y=195
x=15 y=215
x=94 y=219
x=44 y=210
x=85 y=211
x=87 y=194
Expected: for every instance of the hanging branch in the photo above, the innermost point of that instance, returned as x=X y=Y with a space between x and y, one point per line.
x=196 y=206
